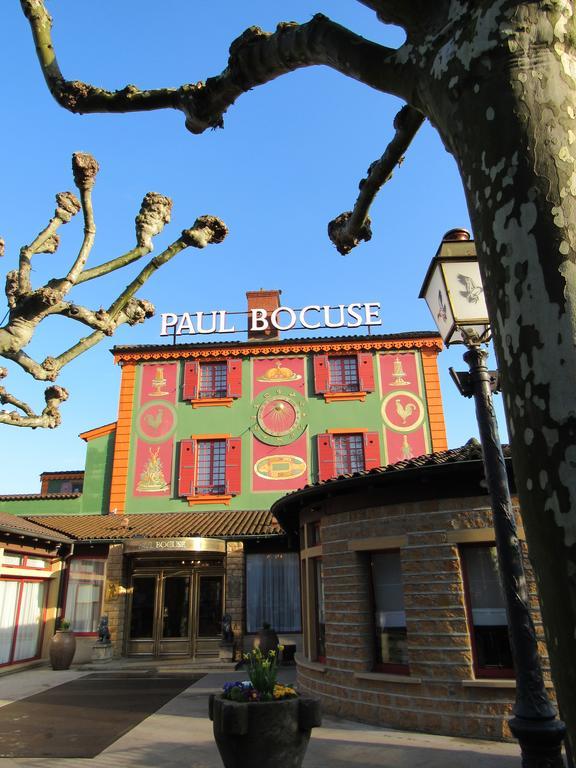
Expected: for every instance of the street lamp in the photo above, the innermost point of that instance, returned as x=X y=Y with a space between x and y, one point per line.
x=455 y=296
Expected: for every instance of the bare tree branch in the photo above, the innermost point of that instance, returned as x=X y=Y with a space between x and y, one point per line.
x=348 y=229
x=50 y=418
x=67 y=206
x=28 y=307
x=256 y=57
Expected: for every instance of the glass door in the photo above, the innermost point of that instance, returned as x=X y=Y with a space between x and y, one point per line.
x=174 y=624
x=142 y=615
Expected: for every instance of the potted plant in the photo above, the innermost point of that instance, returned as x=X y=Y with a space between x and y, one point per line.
x=62 y=646
x=260 y=722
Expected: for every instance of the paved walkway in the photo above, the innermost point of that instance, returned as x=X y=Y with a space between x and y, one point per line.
x=180 y=735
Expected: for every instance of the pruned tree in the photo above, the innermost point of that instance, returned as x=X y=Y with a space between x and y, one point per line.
x=497 y=78
x=29 y=306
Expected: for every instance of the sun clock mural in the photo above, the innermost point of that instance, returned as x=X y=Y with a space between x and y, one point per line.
x=279 y=421
x=155 y=426
x=403 y=409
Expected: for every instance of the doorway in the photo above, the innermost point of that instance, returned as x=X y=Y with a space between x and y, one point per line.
x=175 y=611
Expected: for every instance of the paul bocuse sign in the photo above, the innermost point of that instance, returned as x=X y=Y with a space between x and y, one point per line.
x=311 y=317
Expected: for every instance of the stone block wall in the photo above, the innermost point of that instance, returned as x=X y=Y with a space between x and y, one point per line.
x=441 y=694
x=235 y=588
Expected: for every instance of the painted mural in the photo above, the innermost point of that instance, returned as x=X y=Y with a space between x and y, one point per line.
x=403 y=406
x=155 y=426
x=279 y=468
x=279 y=419
x=284 y=371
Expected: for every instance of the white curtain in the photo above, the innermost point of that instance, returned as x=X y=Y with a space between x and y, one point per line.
x=84 y=594
x=8 y=605
x=29 y=621
x=273 y=592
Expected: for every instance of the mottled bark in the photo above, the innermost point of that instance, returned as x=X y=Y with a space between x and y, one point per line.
x=498 y=80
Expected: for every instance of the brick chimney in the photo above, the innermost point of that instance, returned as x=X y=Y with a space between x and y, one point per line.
x=268 y=300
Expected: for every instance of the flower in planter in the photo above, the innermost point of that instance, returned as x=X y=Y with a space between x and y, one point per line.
x=262 y=685
x=65 y=624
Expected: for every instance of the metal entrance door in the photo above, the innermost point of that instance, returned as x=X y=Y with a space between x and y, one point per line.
x=174 y=613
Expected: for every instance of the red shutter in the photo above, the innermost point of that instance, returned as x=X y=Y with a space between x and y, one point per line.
x=234 y=378
x=187 y=470
x=326 y=459
x=234 y=465
x=371 y=450
x=321 y=374
x=190 y=386
x=365 y=372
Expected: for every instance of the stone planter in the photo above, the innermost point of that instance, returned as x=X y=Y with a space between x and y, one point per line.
x=62 y=649
x=271 y=734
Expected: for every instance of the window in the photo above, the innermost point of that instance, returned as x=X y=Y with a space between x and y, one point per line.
x=343 y=374
x=336 y=376
x=273 y=591
x=389 y=615
x=340 y=454
x=22 y=606
x=349 y=453
x=213 y=380
x=84 y=594
x=210 y=466
x=209 y=381
x=25 y=561
x=486 y=612
x=320 y=628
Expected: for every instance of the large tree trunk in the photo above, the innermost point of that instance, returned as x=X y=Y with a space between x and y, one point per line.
x=509 y=122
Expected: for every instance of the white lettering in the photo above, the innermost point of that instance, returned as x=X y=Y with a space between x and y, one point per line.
x=354 y=315
x=199 y=316
x=222 y=323
x=185 y=324
x=258 y=319
x=276 y=322
x=373 y=315
x=309 y=308
x=338 y=323
x=169 y=320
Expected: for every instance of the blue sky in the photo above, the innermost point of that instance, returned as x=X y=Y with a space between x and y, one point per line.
x=288 y=160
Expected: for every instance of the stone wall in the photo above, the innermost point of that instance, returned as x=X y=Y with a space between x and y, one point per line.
x=235 y=589
x=440 y=694
x=115 y=597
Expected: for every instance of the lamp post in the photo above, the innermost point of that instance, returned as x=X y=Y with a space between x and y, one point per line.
x=454 y=294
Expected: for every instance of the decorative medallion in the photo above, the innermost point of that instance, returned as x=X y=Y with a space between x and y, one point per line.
x=156 y=421
x=279 y=416
x=280 y=466
x=402 y=411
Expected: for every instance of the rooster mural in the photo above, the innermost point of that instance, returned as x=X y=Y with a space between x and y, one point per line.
x=404 y=411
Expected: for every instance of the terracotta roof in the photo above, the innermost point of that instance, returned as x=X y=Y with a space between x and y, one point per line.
x=58 y=473
x=34 y=496
x=468 y=453
x=23 y=526
x=227 y=524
